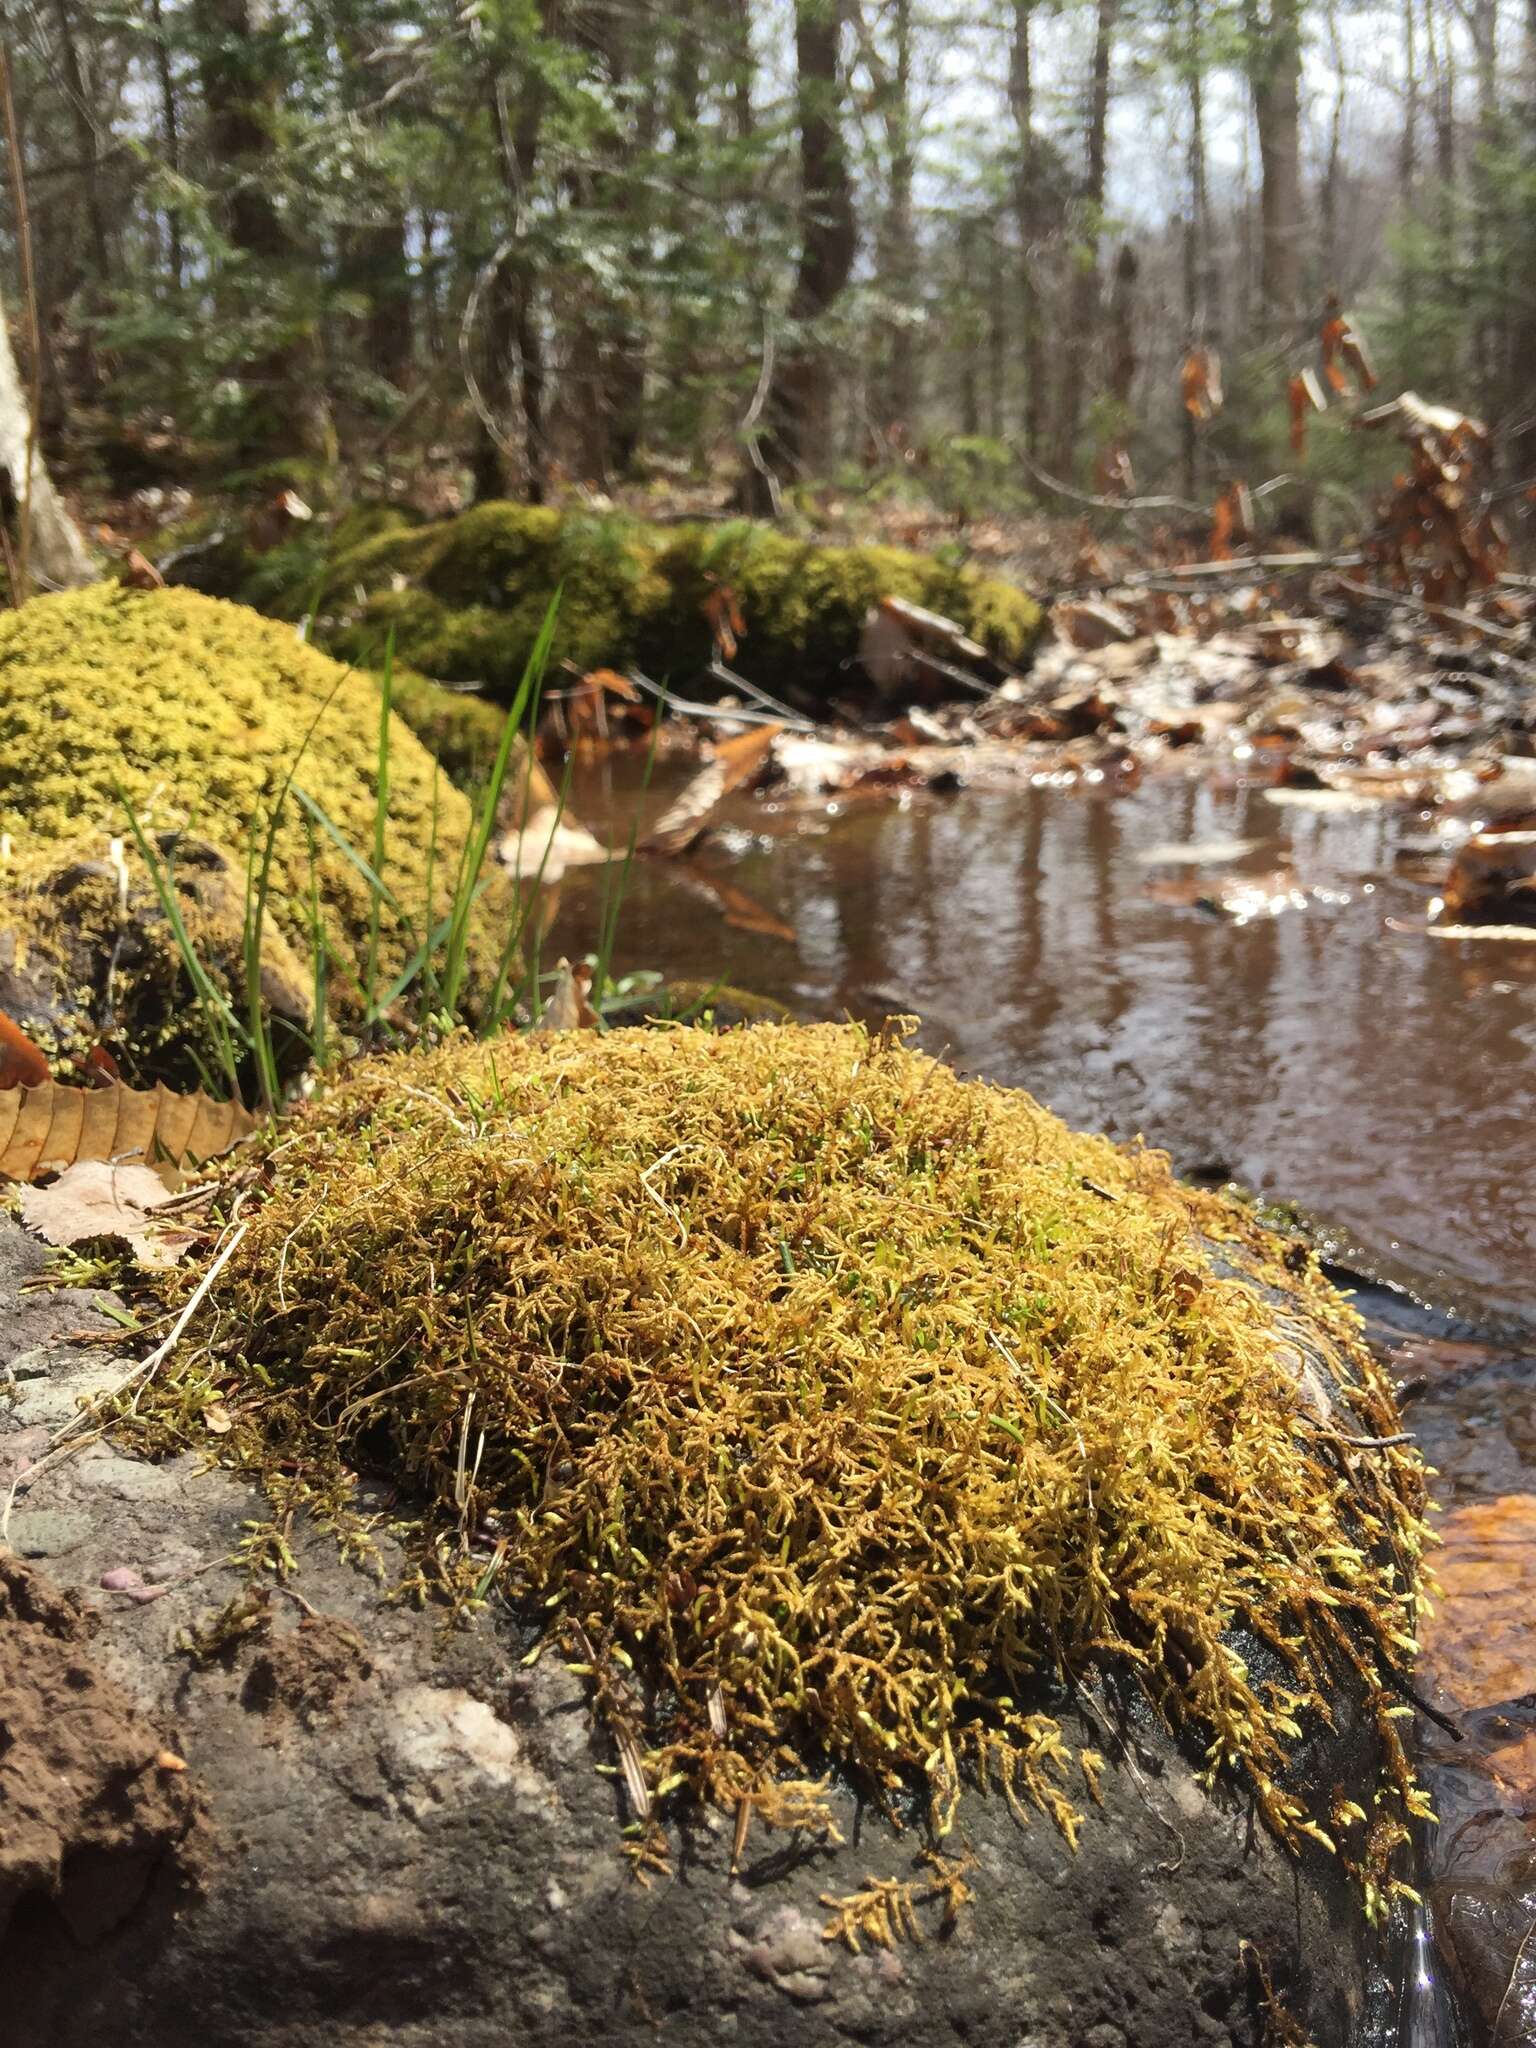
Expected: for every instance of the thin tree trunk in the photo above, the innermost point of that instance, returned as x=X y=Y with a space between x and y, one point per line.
x=82 y=119
x=514 y=337
x=1334 y=170
x=897 y=268
x=1122 y=331
x=1083 y=317
x=797 y=414
x=1201 y=279
x=997 y=330
x=1274 y=80
x=240 y=59
x=970 y=380
x=57 y=555
x=170 y=137
x=1026 y=204
x=1482 y=19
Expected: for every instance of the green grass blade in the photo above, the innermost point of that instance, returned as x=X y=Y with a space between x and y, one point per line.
x=218 y=1014
x=380 y=812
x=378 y=888
x=456 y=951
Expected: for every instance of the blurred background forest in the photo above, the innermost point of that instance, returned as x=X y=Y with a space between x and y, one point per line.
x=525 y=246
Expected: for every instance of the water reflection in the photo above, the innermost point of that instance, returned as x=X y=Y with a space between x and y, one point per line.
x=1382 y=1079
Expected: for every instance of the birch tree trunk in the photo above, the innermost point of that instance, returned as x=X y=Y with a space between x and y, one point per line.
x=57 y=559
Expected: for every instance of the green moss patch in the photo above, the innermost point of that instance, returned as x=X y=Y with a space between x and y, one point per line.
x=832 y=1411
x=464 y=598
x=197 y=710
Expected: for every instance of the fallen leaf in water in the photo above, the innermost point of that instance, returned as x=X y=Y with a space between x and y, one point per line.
x=1246 y=897
x=1198 y=853
x=1478 y=1645
x=1089 y=624
x=98 y=1198
x=1242 y=898
x=1492 y=870
x=549 y=843
x=1425 y=1358
x=733 y=762
x=47 y=1128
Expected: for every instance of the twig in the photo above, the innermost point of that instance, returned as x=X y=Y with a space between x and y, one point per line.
x=1444 y=613
x=1192 y=576
x=34 y=331
x=748 y=427
x=1097 y=504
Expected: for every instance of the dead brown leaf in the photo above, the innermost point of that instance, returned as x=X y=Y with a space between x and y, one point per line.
x=734 y=761
x=22 y=1064
x=742 y=909
x=48 y=1127
x=1200 y=383
x=569 y=1007
x=97 y=1198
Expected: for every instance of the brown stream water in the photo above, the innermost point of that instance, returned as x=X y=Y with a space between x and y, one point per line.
x=1381 y=1079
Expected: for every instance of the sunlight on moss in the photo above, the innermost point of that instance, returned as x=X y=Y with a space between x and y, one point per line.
x=197 y=709
x=836 y=1407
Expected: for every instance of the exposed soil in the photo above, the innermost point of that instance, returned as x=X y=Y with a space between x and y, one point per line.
x=103 y=1821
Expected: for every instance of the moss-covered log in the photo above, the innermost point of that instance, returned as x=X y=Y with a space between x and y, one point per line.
x=464 y=598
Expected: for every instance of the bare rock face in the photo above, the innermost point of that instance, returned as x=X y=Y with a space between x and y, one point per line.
x=406 y=1841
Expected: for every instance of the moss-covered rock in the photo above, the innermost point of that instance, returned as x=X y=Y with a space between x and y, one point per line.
x=464 y=598
x=804 y=605
x=460 y=729
x=837 y=1410
x=194 y=712
x=88 y=958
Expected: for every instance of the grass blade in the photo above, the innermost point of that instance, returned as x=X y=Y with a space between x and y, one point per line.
x=456 y=950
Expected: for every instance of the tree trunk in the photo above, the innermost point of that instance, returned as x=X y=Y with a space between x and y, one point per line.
x=1083 y=318
x=170 y=137
x=241 y=61
x=897 y=265
x=1333 y=172
x=1201 y=276
x=1122 y=333
x=82 y=119
x=1274 y=82
x=514 y=337
x=57 y=555
x=1021 y=97
x=1482 y=18
x=997 y=330
x=797 y=418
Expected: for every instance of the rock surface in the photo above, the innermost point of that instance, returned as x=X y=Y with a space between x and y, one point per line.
x=406 y=1841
